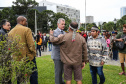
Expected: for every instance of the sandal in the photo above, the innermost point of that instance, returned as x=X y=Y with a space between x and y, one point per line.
x=122 y=73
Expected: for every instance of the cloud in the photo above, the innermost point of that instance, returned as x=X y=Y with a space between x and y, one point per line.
x=6 y=3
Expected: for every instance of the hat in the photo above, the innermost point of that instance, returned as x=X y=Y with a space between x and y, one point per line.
x=113 y=32
x=95 y=28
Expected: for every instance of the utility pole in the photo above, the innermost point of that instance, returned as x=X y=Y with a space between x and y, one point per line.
x=35 y=24
x=85 y=16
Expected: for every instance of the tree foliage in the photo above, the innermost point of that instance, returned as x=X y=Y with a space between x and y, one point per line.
x=81 y=29
x=124 y=17
x=60 y=15
x=117 y=26
x=31 y=18
x=44 y=18
x=21 y=6
x=88 y=26
x=8 y=14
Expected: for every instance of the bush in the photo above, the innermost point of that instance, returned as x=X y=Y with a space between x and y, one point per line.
x=10 y=68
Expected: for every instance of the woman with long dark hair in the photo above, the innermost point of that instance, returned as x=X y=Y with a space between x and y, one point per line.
x=39 y=42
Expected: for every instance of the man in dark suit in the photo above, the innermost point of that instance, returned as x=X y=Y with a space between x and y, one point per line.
x=55 y=55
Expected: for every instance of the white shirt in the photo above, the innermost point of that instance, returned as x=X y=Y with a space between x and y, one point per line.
x=44 y=38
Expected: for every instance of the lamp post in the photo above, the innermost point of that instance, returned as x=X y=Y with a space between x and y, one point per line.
x=35 y=24
x=85 y=16
x=115 y=23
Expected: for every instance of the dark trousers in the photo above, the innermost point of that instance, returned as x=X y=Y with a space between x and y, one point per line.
x=44 y=46
x=97 y=70
x=58 y=72
x=115 y=54
x=39 y=48
x=34 y=75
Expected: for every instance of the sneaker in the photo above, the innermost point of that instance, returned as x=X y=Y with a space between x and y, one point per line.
x=122 y=73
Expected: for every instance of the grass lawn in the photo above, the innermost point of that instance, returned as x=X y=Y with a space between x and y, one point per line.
x=46 y=73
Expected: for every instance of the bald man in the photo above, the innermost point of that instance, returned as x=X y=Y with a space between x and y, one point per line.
x=29 y=47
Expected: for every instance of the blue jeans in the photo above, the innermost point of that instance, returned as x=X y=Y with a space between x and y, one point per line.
x=99 y=71
x=50 y=46
x=38 y=48
x=115 y=54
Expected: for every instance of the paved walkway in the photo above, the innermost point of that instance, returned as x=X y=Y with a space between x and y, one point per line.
x=109 y=62
x=113 y=62
x=45 y=53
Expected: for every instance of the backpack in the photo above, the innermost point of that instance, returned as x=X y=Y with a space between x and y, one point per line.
x=121 y=44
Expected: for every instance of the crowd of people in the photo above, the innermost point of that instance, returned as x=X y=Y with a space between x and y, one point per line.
x=109 y=38
x=70 y=51
x=41 y=42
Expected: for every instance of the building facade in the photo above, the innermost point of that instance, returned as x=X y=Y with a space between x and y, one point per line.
x=89 y=19
x=71 y=12
x=123 y=11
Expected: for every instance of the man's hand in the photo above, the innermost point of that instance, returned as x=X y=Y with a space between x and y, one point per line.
x=102 y=63
x=83 y=65
x=118 y=39
x=51 y=32
x=121 y=39
x=60 y=35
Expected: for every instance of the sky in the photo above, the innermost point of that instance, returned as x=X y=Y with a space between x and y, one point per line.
x=101 y=10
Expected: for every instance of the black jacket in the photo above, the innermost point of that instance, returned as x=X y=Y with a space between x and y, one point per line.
x=45 y=41
x=3 y=32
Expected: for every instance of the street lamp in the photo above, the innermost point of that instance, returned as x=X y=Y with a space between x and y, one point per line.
x=115 y=23
x=35 y=24
x=85 y=16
